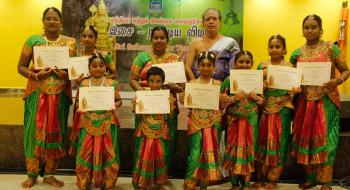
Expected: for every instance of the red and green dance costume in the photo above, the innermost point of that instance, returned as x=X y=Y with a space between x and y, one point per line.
x=152 y=141
x=94 y=141
x=316 y=122
x=204 y=129
x=242 y=132
x=46 y=111
x=141 y=64
x=274 y=134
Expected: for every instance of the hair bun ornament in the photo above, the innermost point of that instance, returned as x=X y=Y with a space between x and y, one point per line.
x=88 y=27
x=211 y=54
x=97 y=55
x=207 y=55
x=201 y=54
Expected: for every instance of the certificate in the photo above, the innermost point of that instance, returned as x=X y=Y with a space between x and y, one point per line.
x=78 y=66
x=246 y=81
x=202 y=96
x=96 y=98
x=152 y=102
x=315 y=73
x=49 y=56
x=283 y=77
x=174 y=72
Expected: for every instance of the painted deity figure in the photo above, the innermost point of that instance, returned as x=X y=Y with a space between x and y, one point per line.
x=100 y=20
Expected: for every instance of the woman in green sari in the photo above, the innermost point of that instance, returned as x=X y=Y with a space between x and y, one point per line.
x=47 y=99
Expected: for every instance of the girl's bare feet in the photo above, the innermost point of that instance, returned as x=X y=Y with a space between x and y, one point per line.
x=306 y=185
x=161 y=187
x=53 y=181
x=326 y=187
x=270 y=185
x=29 y=182
x=257 y=185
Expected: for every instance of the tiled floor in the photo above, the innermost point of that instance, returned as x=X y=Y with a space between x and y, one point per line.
x=12 y=182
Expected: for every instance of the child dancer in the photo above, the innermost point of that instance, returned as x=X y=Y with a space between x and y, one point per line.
x=274 y=130
x=204 y=129
x=88 y=38
x=316 y=122
x=94 y=137
x=152 y=138
x=242 y=121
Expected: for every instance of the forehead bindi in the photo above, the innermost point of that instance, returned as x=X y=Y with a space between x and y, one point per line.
x=159 y=34
x=205 y=62
x=275 y=42
x=211 y=14
x=97 y=62
x=311 y=22
x=155 y=78
x=88 y=33
x=244 y=58
x=51 y=14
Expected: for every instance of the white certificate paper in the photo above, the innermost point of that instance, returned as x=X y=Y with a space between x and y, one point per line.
x=174 y=72
x=283 y=77
x=96 y=98
x=50 y=56
x=78 y=66
x=202 y=96
x=246 y=81
x=315 y=73
x=152 y=102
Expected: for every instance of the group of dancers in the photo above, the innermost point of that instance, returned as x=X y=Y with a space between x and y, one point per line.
x=257 y=127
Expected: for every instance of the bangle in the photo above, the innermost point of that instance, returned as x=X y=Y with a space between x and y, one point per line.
x=33 y=76
x=30 y=76
x=232 y=100
x=339 y=80
x=36 y=77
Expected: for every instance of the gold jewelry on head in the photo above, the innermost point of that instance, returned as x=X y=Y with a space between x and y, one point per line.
x=51 y=9
x=97 y=56
x=312 y=16
x=99 y=60
x=86 y=28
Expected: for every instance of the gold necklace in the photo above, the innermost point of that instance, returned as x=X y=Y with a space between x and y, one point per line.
x=52 y=42
x=314 y=45
x=158 y=59
x=281 y=62
x=94 y=83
